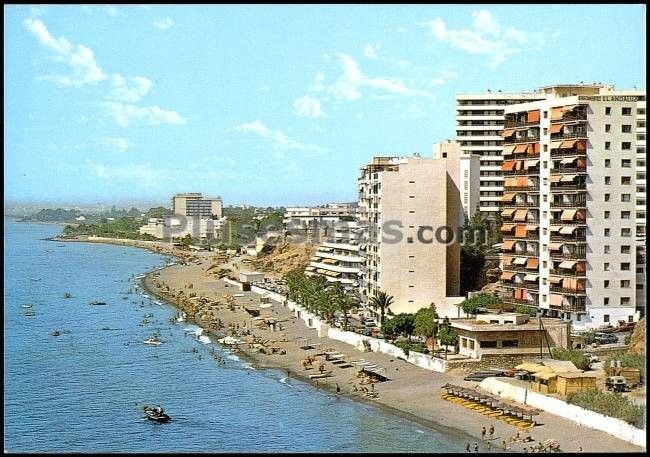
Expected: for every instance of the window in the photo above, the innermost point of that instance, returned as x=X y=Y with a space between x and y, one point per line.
x=488 y=344
x=626 y=111
x=544 y=264
x=625 y=249
x=639 y=286
x=608 y=127
x=625 y=266
x=606 y=302
x=412 y=212
x=625 y=232
x=413 y=196
x=409 y=239
x=608 y=163
x=626 y=180
x=545 y=198
x=626 y=145
x=471 y=344
x=606 y=249
x=625 y=197
x=606 y=216
x=625 y=214
x=606 y=284
x=626 y=163
x=545 y=131
x=545 y=148
x=625 y=300
x=625 y=128
x=608 y=145
x=605 y=317
x=606 y=197
x=545 y=164
x=606 y=232
x=608 y=180
x=543 y=281
x=413 y=182
x=625 y=283
x=545 y=113
x=606 y=266
x=608 y=111
x=544 y=231
x=544 y=214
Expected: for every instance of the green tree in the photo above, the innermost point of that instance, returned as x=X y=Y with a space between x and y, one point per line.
x=186 y=240
x=523 y=309
x=578 y=358
x=472 y=304
x=588 y=337
x=447 y=336
x=344 y=302
x=402 y=324
x=381 y=301
x=426 y=322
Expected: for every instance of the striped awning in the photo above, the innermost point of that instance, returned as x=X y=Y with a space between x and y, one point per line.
x=568 y=214
x=507 y=212
x=532 y=263
x=520 y=215
x=519 y=261
x=507 y=275
x=568 y=144
x=554 y=246
x=555 y=144
x=507 y=227
x=507 y=197
x=531 y=278
x=567 y=230
x=568 y=178
x=567 y=264
x=568 y=160
x=507 y=150
x=556 y=128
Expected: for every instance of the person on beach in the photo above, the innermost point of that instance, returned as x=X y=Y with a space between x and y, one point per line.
x=468 y=448
x=475 y=447
x=491 y=431
x=504 y=446
x=483 y=433
x=338 y=389
x=489 y=445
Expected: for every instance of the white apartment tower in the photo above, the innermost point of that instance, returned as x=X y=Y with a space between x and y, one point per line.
x=479 y=123
x=411 y=206
x=573 y=225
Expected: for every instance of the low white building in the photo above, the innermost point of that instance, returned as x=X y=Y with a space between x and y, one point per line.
x=179 y=227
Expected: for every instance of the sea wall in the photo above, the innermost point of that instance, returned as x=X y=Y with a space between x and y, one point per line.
x=616 y=427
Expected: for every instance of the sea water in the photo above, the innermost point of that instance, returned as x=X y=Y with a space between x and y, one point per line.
x=83 y=391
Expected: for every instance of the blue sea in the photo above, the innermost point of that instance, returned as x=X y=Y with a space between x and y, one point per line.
x=83 y=391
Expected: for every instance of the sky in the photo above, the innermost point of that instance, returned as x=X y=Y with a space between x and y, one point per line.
x=271 y=105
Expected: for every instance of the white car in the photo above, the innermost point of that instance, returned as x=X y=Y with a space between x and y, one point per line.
x=592 y=358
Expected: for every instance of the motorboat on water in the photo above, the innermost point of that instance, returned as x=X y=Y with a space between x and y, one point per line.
x=156 y=413
x=153 y=340
x=26 y=305
x=97 y=303
x=30 y=313
x=67 y=295
x=35 y=279
x=56 y=333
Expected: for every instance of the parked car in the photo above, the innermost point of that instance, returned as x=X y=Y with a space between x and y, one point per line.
x=607 y=328
x=625 y=326
x=616 y=383
x=592 y=357
x=606 y=338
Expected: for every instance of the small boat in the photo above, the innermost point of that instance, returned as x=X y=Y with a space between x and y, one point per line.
x=30 y=313
x=67 y=295
x=153 y=340
x=60 y=245
x=156 y=413
x=35 y=279
x=97 y=303
x=26 y=305
x=55 y=333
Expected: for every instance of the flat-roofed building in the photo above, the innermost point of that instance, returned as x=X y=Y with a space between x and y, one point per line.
x=572 y=239
x=195 y=205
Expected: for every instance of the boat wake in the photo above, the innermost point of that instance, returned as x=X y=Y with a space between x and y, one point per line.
x=205 y=339
x=285 y=381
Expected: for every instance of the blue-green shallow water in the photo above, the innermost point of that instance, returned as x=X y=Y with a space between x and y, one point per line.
x=83 y=390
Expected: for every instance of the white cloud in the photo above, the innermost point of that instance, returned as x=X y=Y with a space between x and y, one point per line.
x=116 y=143
x=112 y=11
x=486 y=37
x=348 y=85
x=79 y=58
x=307 y=107
x=164 y=24
x=137 y=174
x=140 y=86
x=317 y=85
x=278 y=139
x=127 y=114
x=370 y=51
x=443 y=77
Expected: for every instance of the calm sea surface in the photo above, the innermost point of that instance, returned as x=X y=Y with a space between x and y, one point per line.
x=83 y=391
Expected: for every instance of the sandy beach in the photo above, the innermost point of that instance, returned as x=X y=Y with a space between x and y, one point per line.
x=411 y=392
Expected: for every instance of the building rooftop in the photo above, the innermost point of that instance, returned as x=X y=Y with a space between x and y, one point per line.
x=475 y=325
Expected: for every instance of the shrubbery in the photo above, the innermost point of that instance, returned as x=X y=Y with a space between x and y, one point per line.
x=580 y=360
x=471 y=305
x=613 y=405
x=629 y=359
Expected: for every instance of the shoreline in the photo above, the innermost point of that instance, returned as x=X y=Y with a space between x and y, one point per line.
x=412 y=394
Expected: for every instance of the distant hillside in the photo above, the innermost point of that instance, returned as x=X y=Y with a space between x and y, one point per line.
x=284 y=258
x=53 y=215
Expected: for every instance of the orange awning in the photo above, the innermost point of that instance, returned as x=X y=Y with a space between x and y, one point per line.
x=555 y=178
x=556 y=144
x=568 y=214
x=521 y=148
x=520 y=215
x=522 y=181
x=556 y=113
x=507 y=132
x=556 y=300
x=520 y=231
x=510 y=182
x=555 y=279
x=507 y=212
x=554 y=246
x=508 y=165
x=508 y=244
x=532 y=263
x=535 y=149
x=581 y=144
x=556 y=128
x=507 y=275
x=507 y=227
x=533 y=116
x=507 y=197
x=568 y=144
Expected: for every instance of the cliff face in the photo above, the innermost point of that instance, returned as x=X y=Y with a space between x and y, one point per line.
x=284 y=258
x=637 y=340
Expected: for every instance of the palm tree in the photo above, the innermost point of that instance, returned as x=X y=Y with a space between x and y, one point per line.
x=344 y=303
x=382 y=301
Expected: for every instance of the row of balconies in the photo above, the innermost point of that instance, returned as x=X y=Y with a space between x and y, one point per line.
x=513 y=139
x=563 y=204
x=564 y=290
x=568 y=255
x=567 y=272
x=568 y=152
x=569 y=238
x=576 y=134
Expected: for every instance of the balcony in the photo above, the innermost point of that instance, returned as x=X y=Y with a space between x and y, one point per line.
x=568 y=152
x=569 y=238
x=512 y=124
x=520 y=301
x=532 y=237
x=518 y=205
x=569 y=255
x=571 y=222
x=568 y=204
x=577 y=134
x=522 y=285
x=569 y=187
x=522 y=139
x=522 y=253
x=530 y=171
x=520 y=269
x=572 y=116
x=567 y=170
x=563 y=290
x=530 y=188
x=567 y=273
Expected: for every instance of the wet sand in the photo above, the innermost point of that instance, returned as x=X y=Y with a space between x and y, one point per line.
x=411 y=392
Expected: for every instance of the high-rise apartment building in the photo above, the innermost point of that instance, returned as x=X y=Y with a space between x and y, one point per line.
x=479 y=123
x=412 y=208
x=195 y=205
x=574 y=177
